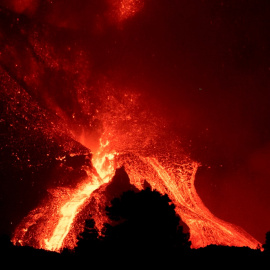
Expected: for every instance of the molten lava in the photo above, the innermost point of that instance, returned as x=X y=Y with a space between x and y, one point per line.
x=171 y=176
x=70 y=209
x=134 y=138
x=68 y=212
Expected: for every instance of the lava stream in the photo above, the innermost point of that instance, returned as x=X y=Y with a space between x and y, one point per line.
x=176 y=180
x=103 y=165
x=68 y=213
x=205 y=228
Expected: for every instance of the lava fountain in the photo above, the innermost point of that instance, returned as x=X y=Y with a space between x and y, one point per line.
x=140 y=143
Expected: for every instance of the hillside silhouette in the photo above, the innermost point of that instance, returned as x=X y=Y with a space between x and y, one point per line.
x=140 y=222
x=142 y=228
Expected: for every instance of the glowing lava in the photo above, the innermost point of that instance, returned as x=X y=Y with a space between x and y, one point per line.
x=68 y=213
x=177 y=181
x=104 y=166
x=136 y=140
x=104 y=163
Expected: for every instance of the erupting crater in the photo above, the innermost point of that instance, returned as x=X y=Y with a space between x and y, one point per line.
x=57 y=219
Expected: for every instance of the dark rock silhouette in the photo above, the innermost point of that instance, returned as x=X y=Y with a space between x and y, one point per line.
x=266 y=245
x=119 y=184
x=103 y=195
x=139 y=222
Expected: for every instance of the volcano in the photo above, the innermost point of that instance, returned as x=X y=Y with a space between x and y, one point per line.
x=57 y=220
x=75 y=135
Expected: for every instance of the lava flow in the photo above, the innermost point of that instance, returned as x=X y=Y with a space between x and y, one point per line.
x=70 y=209
x=172 y=176
x=133 y=138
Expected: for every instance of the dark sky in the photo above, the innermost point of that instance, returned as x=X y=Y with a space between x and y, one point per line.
x=203 y=64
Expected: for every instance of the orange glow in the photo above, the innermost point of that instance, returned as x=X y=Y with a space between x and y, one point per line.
x=136 y=140
x=178 y=183
x=68 y=212
x=104 y=162
x=66 y=207
x=130 y=7
x=104 y=166
x=205 y=228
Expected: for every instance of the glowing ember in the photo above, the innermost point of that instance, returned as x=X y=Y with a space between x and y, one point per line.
x=130 y=7
x=125 y=9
